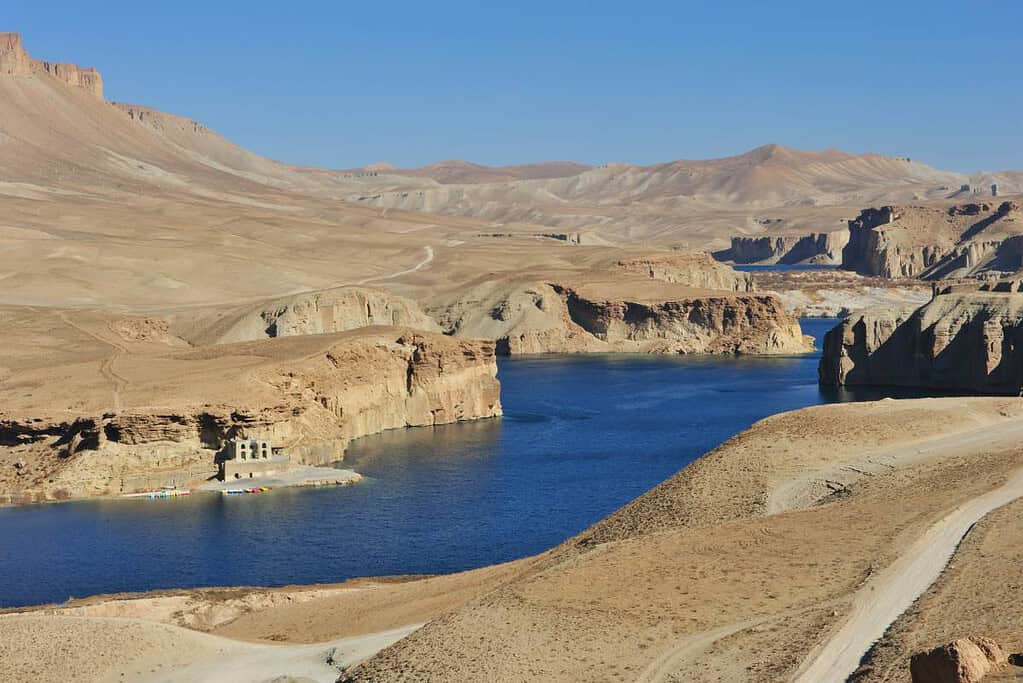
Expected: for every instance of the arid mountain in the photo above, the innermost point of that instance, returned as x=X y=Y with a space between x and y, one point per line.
x=772 y=190
x=457 y=171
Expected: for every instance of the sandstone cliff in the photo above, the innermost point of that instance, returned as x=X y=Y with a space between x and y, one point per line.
x=966 y=338
x=693 y=269
x=332 y=310
x=15 y=61
x=935 y=242
x=171 y=413
x=823 y=248
x=622 y=316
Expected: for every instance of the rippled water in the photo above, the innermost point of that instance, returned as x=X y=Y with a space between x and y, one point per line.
x=581 y=436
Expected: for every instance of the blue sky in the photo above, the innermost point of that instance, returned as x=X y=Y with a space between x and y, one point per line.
x=340 y=84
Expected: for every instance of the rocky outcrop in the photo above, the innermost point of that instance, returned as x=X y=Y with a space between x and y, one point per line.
x=935 y=242
x=331 y=310
x=966 y=338
x=966 y=660
x=637 y=316
x=15 y=61
x=693 y=269
x=309 y=395
x=824 y=248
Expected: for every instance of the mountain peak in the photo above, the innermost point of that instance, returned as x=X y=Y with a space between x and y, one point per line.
x=15 y=61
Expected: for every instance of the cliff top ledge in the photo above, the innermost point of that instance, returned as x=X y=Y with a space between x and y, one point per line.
x=15 y=61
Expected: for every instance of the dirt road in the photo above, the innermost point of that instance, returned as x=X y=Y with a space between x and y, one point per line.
x=888 y=594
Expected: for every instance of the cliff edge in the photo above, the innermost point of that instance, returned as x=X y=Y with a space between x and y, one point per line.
x=156 y=413
x=936 y=242
x=15 y=61
x=968 y=338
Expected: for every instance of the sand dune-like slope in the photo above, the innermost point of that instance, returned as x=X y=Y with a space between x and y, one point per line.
x=747 y=565
x=741 y=566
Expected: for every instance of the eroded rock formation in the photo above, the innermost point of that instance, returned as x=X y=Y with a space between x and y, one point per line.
x=14 y=60
x=693 y=269
x=968 y=337
x=823 y=248
x=310 y=395
x=934 y=242
x=332 y=310
x=623 y=316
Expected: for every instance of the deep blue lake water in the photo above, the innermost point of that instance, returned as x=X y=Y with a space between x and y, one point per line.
x=581 y=436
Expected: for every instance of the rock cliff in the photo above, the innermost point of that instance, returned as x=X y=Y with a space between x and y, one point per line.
x=332 y=310
x=823 y=248
x=693 y=269
x=640 y=316
x=966 y=338
x=15 y=61
x=936 y=242
x=309 y=395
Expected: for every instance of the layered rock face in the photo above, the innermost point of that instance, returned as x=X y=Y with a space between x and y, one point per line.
x=693 y=269
x=332 y=310
x=623 y=316
x=934 y=243
x=966 y=338
x=309 y=395
x=823 y=248
x=14 y=60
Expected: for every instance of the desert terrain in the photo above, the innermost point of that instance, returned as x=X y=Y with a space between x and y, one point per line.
x=167 y=293
x=748 y=565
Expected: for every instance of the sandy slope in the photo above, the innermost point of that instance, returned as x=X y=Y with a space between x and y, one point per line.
x=808 y=532
x=699 y=580
x=887 y=595
x=54 y=648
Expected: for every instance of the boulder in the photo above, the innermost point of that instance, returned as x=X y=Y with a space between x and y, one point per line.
x=965 y=660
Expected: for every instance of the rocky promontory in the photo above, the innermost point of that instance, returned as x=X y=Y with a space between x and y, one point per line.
x=331 y=310
x=693 y=269
x=936 y=242
x=151 y=419
x=968 y=337
x=823 y=248
x=622 y=315
x=15 y=61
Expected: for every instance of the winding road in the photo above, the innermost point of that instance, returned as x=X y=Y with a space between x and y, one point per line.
x=890 y=592
x=893 y=590
x=419 y=266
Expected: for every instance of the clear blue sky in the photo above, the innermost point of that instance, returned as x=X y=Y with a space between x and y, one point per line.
x=342 y=84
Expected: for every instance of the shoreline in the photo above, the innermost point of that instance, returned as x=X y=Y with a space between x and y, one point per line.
x=855 y=507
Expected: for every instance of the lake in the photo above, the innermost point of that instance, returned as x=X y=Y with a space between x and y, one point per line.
x=581 y=436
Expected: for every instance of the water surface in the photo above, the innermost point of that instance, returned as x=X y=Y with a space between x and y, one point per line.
x=581 y=436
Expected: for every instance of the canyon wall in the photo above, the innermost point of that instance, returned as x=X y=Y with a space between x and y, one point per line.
x=693 y=269
x=310 y=403
x=967 y=338
x=14 y=60
x=823 y=248
x=934 y=242
x=332 y=310
x=637 y=316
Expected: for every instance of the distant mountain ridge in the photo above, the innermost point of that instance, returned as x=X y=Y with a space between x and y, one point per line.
x=455 y=171
x=58 y=132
